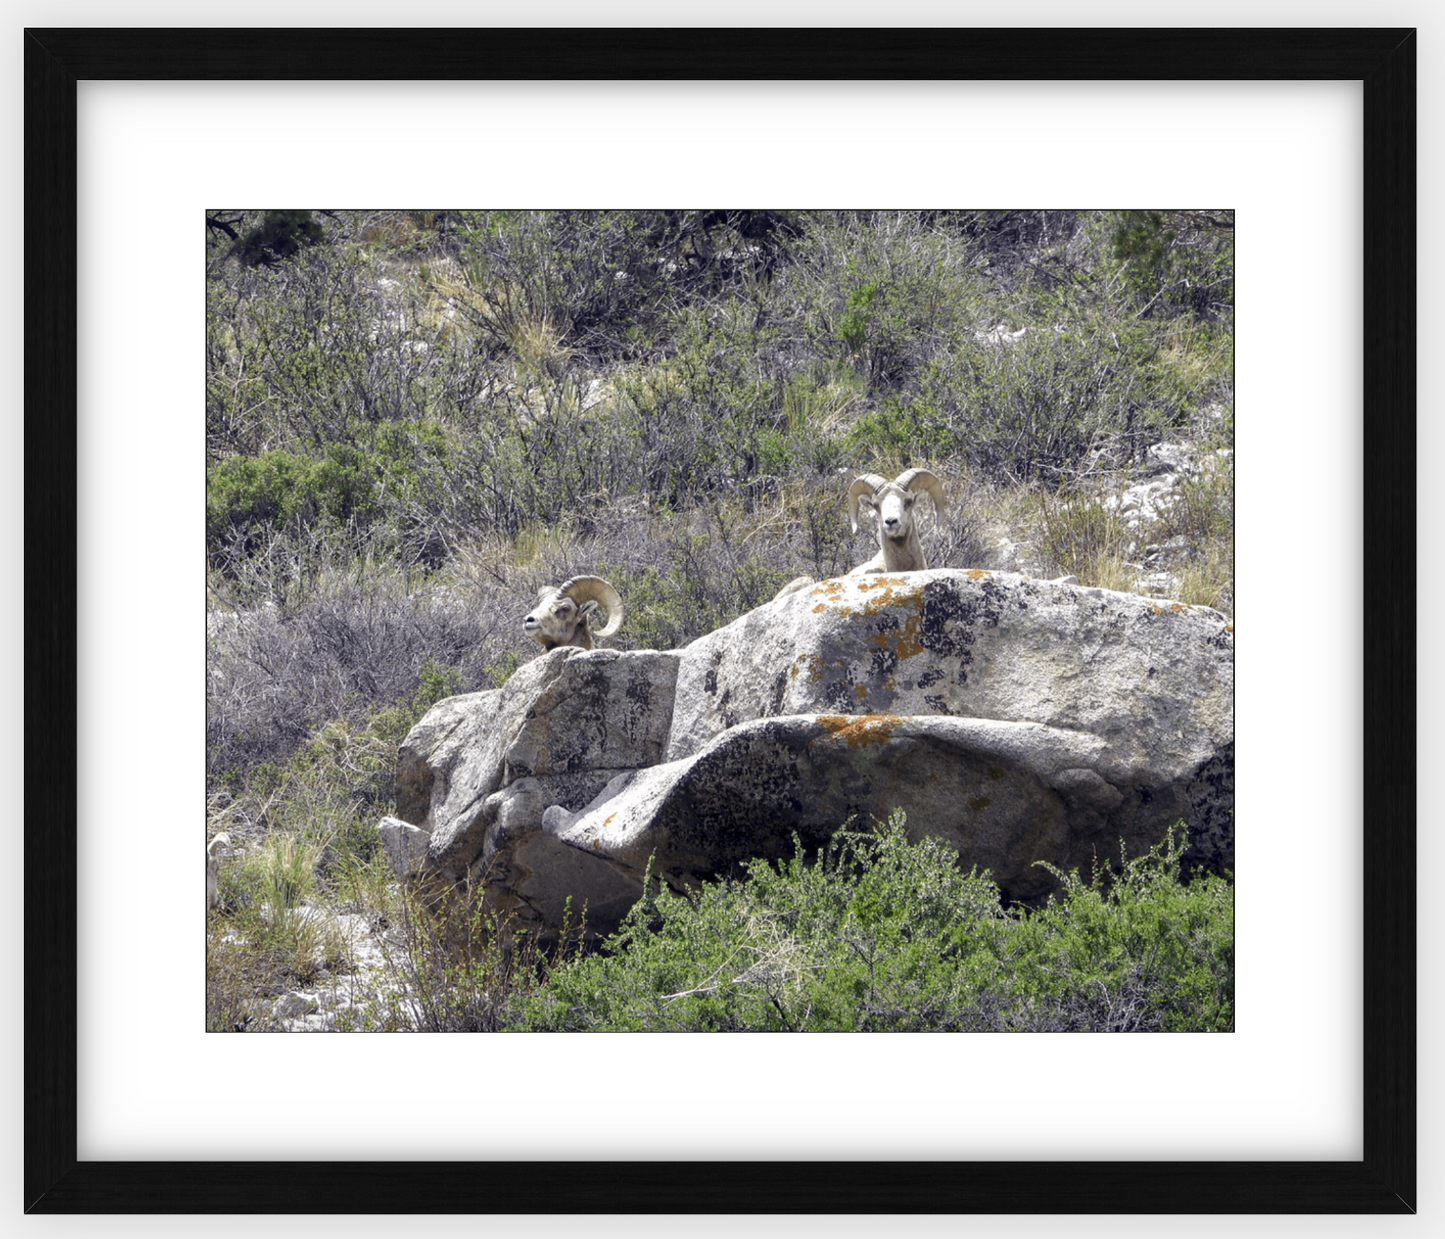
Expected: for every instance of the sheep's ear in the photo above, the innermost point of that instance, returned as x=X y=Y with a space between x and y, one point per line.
x=589 y=609
x=868 y=501
x=543 y=592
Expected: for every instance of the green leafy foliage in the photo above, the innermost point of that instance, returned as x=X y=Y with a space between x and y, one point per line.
x=1139 y=948
x=1174 y=261
x=882 y=934
x=371 y=485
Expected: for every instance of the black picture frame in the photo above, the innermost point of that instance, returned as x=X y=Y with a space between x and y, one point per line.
x=1384 y=1181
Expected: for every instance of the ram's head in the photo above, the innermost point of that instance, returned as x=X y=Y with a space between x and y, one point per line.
x=564 y=613
x=892 y=502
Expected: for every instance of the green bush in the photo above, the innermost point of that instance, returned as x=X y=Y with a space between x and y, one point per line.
x=371 y=484
x=246 y=494
x=880 y=934
x=1135 y=950
x=1174 y=261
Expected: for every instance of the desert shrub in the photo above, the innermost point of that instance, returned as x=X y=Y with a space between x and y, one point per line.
x=339 y=783
x=1134 y=948
x=365 y=488
x=602 y=282
x=1203 y=510
x=1173 y=262
x=1079 y=534
x=797 y=947
x=303 y=355
x=881 y=292
x=346 y=647
x=880 y=934
x=247 y=495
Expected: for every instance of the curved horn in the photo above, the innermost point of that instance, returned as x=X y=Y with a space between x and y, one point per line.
x=922 y=479
x=595 y=589
x=864 y=483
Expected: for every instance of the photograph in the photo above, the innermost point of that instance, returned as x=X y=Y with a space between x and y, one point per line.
x=720 y=620
x=739 y=533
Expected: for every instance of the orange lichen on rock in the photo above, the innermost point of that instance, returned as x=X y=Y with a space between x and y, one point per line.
x=878 y=592
x=858 y=730
x=976 y=574
x=808 y=665
x=893 y=592
x=906 y=640
x=831 y=592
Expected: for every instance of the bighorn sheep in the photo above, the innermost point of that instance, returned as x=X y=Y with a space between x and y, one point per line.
x=899 y=549
x=564 y=613
x=216 y=850
x=891 y=503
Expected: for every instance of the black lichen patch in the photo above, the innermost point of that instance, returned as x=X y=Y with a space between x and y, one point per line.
x=883 y=663
x=709 y=679
x=1211 y=814
x=741 y=800
x=840 y=697
x=1221 y=640
x=947 y=622
x=995 y=600
x=930 y=677
x=780 y=691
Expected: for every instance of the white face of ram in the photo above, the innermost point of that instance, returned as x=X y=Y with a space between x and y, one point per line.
x=554 y=619
x=894 y=507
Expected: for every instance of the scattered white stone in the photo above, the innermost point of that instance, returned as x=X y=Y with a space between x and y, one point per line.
x=291 y=1005
x=1159 y=585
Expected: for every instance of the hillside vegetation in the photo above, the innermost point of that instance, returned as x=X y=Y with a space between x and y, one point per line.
x=415 y=419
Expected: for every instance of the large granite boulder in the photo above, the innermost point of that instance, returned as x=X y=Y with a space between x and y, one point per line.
x=1020 y=720
x=478 y=771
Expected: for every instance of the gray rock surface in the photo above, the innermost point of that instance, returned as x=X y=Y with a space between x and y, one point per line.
x=405 y=846
x=1020 y=720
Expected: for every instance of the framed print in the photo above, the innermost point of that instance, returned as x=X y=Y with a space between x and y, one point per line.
x=815 y=97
